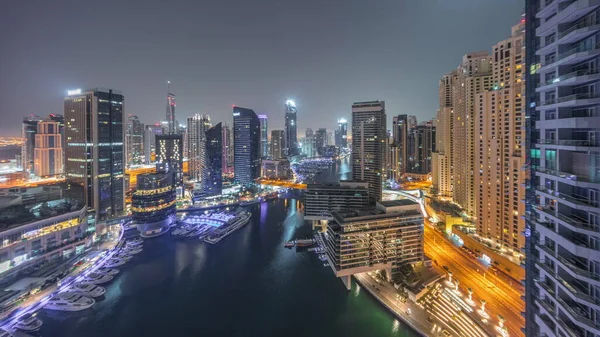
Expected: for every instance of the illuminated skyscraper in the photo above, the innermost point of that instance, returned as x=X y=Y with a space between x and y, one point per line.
x=94 y=152
x=368 y=145
x=48 y=152
x=291 y=141
x=277 y=144
x=169 y=151
x=246 y=143
x=264 y=136
x=320 y=140
x=28 y=132
x=227 y=142
x=309 y=132
x=134 y=140
x=196 y=145
x=170 y=114
x=400 y=135
x=150 y=132
x=341 y=133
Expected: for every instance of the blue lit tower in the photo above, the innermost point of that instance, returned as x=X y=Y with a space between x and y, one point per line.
x=246 y=145
x=264 y=141
x=94 y=150
x=291 y=140
x=212 y=175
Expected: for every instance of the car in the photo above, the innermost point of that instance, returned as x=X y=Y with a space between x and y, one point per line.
x=408 y=311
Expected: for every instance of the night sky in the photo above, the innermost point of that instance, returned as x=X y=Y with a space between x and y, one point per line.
x=256 y=54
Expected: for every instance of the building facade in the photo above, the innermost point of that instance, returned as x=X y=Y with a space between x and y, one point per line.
x=150 y=132
x=277 y=144
x=276 y=169
x=563 y=217
x=28 y=132
x=227 y=142
x=384 y=237
x=421 y=142
x=368 y=145
x=500 y=148
x=171 y=125
x=134 y=140
x=196 y=145
x=322 y=199
x=320 y=140
x=153 y=202
x=48 y=152
x=442 y=158
x=246 y=143
x=291 y=141
x=95 y=151
x=169 y=153
x=400 y=135
x=264 y=136
x=212 y=176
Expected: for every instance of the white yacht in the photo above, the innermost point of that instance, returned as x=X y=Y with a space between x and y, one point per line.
x=87 y=289
x=115 y=262
x=135 y=242
x=28 y=322
x=123 y=255
x=134 y=250
x=96 y=278
x=241 y=219
x=108 y=271
x=69 y=302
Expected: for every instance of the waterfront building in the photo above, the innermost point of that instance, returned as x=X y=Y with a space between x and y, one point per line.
x=212 y=175
x=322 y=199
x=48 y=151
x=94 y=150
x=421 y=142
x=28 y=132
x=276 y=169
x=400 y=135
x=320 y=140
x=227 y=142
x=277 y=144
x=150 y=132
x=246 y=143
x=341 y=133
x=264 y=136
x=368 y=145
x=134 y=134
x=291 y=141
x=153 y=202
x=383 y=237
x=196 y=145
x=29 y=244
x=500 y=148
x=169 y=151
x=563 y=207
x=171 y=122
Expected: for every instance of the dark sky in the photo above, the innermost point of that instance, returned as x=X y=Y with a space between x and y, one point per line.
x=252 y=53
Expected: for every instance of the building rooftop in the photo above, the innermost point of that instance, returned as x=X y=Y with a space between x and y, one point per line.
x=399 y=202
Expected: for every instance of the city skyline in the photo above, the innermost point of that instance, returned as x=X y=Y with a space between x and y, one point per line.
x=265 y=79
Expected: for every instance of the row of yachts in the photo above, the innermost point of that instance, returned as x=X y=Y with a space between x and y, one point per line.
x=81 y=294
x=212 y=234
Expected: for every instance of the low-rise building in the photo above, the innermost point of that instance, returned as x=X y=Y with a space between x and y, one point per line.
x=321 y=199
x=383 y=237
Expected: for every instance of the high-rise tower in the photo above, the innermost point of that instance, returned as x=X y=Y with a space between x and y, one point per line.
x=134 y=140
x=246 y=143
x=48 y=152
x=264 y=136
x=94 y=149
x=28 y=132
x=212 y=175
x=170 y=114
x=277 y=144
x=291 y=141
x=368 y=142
x=196 y=145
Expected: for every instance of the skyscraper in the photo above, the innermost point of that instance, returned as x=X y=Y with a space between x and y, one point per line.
x=170 y=114
x=246 y=143
x=264 y=136
x=134 y=140
x=196 y=145
x=227 y=142
x=368 y=140
x=474 y=76
x=341 y=133
x=421 y=140
x=291 y=141
x=212 y=175
x=320 y=140
x=169 y=152
x=48 y=152
x=309 y=132
x=400 y=135
x=28 y=132
x=277 y=144
x=150 y=132
x=442 y=159
x=94 y=153
x=500 y=148
x=563 y=217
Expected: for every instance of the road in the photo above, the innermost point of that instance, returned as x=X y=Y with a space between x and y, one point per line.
x=502 y=296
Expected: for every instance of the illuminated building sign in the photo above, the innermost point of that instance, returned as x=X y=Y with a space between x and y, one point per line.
x=73 y=92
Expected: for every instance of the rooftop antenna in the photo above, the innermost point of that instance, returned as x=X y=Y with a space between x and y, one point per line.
x=169 y=86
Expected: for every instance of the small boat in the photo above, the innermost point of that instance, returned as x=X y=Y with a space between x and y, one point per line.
x=87 y=289
x=135 y=242
x=69 y=302
x=108 y=271
x=305 y=242
x=177 y=231
x=322 y=257
x=132 y=250
x=115 y=262
x=289 y=244
x=96 y=278
x=28 y=322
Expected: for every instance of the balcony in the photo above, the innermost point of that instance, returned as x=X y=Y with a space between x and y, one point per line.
x=549 y=7
x=577 y=272
x=570 y=178
x=572 y=56
x=573 y=202
x=570 y=101
x=570 y=10
x=577 y=294
x=577 y=32
x=577 y=316
x=572 y=78
x=570 y=144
